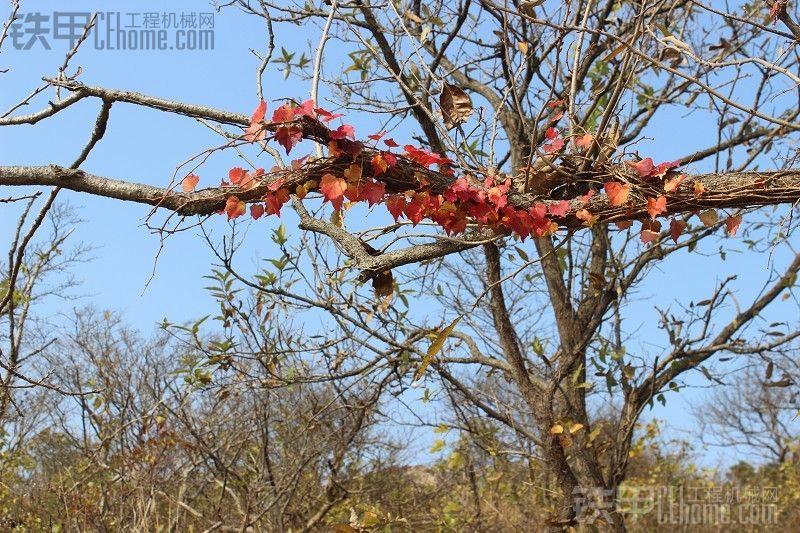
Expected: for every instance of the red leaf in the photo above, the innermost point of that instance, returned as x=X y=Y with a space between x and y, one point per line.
x=497 y=196
x=415 y=209
x=372 y=192
x=450 y=217
x=554 y=103
x=559 y=209
x=332 y=188
x=554 y=146
x=234 y=207
x=732 y=225
x=377 y=136
x=275 y=201
x=345 y=130
x=352 y=192
x=260 y=112
x=661 y=170
x=551 y=133
x=326 y=116
x=390 y=159
x=586 y=197
x=297 y=163
x=288 y=137
x=344 y=146
x=424 y=157
x=776 y=8
x=676 y=227
x=643 y=167
x=396 y=204
x=284 y=113
x=624 y=224
x=656 y=206
x=256 y=211
x=255 y=131
x=617 y=192
x=189 y=182
x=277 y=184
x=242 y=178
x=306 y=109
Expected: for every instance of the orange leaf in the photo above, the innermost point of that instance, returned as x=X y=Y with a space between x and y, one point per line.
x=588 y=218
x=302 y=190
x=699 y=188
x=189 y=183
x=379 y=165
x=672 y=184
x=584 y=141
x=234 y=207
x=732 y=225
x=617 y=192
x=353 y=172
x=236 y=175
x=332 y=188
x=709 y=217
x=656 y=206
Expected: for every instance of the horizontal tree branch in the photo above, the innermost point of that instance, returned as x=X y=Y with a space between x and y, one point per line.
x=721 y=190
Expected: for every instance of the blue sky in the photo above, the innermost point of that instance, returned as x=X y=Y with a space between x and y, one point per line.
x=146 y=146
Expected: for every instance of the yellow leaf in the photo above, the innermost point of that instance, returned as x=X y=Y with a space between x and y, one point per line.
x=438 y=445
x=558 y=429
x=523 y=47
x=698 y=188
x=575 y=428
x=709 y=217
x=336 y=219
x=435 y=347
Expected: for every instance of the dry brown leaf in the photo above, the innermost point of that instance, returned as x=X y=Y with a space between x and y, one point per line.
x=456 y=106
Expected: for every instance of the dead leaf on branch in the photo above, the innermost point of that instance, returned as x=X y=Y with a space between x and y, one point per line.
x=456 y=106
x=435 y=348
x=383 y=284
